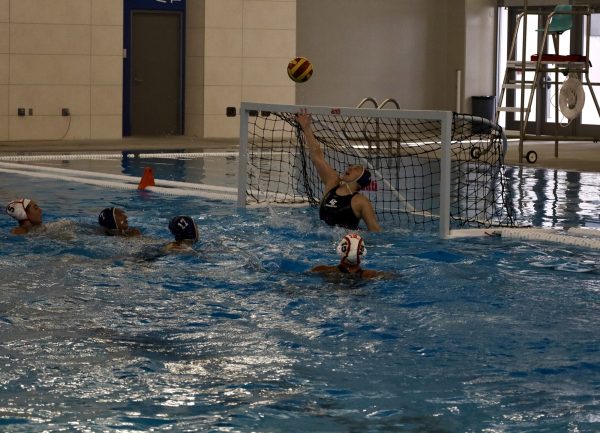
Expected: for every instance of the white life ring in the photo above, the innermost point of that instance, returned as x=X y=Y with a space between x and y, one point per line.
x=571 y=97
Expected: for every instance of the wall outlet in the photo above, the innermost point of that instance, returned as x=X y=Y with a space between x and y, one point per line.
x=66 y=112
x=21 y=111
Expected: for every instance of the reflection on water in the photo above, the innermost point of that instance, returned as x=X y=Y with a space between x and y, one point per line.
x=171 y=169
x=211 y=169
x=540 y=197
x=554 y=198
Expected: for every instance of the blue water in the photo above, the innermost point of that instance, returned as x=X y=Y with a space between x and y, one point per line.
x=109 y=334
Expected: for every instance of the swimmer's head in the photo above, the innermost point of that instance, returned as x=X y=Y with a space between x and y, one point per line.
x=18 y=209
x=364 y=179
x=358 y=174
x=351 y=248
x=108 y=218
x=184 y=228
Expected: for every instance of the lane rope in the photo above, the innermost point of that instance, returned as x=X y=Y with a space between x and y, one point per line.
x=106 y=180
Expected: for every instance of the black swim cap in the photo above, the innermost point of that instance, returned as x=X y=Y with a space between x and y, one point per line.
x=183 y=227
x=364 y=179
x=107 y=218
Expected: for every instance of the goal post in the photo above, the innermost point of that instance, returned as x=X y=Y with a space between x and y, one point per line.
x=429 y=168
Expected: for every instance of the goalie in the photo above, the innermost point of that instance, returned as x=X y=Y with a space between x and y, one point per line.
x=342 y=204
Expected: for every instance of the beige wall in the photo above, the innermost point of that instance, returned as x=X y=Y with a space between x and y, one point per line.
x=61 y=54
x=194 y=68
x=247 y=45
x=480 y=65
x=4 y=68
x=68 y=53
x=409 y=50
x=58 y=54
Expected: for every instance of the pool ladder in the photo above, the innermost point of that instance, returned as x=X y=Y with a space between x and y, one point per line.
x=376 y=105
x=369 y=137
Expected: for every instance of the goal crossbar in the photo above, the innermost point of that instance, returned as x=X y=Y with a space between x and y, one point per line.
x=427 y=166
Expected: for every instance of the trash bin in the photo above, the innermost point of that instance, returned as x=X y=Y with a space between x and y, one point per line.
x=483 y=106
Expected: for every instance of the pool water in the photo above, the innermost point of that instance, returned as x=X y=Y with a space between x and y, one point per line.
x=470 y=335
x=555 y=198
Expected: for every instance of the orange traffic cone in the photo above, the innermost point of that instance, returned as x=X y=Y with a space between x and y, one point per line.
x=147 y=178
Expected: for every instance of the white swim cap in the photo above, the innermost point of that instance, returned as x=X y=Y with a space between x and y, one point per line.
x=351 y=248
x=16 y=209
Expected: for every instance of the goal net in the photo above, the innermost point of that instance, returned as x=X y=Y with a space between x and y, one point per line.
x=428 y=167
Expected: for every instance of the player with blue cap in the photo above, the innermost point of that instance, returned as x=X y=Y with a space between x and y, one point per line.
x=114 y=221
x=185 y=231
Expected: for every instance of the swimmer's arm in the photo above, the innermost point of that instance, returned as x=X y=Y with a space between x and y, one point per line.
x=19 y=231
x=177 y=247
x=323 y=268
x=133 y=232
x=171 y=246
x=370 y=274
x=327 y=174
x=367 y=213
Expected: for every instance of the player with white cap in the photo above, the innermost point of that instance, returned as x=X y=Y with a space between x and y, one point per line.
x=351 y=250
x=27 y=213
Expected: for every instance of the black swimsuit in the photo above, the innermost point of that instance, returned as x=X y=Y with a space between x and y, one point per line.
x=336 y=210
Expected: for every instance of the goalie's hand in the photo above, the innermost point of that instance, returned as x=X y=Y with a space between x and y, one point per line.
x=304 y=119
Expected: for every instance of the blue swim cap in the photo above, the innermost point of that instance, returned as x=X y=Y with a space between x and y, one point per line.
x=183 y=227
x=107 y=218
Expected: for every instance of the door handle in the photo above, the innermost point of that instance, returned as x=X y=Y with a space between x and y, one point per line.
x=137 y=79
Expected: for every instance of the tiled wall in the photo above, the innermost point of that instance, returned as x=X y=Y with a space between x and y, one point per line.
x=247 y=46
x=4 y=66
x=58 y=54
x=61 y=54
x=194 y=68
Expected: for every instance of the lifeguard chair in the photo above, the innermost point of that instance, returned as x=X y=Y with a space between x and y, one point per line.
x=569 y=99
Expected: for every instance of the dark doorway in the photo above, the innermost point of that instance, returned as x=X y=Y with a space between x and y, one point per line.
x=156 y=76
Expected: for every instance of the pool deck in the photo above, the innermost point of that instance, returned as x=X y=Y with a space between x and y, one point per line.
x=572 y=156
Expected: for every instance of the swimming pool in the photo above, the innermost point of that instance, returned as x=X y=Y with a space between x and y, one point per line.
x=471 y=335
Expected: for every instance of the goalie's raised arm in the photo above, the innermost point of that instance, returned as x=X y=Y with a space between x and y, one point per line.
x=342 y=204
x=328 y=175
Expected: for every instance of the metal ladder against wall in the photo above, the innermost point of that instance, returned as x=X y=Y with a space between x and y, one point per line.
x=383 y=104
x=541 y=65
x=373 y=137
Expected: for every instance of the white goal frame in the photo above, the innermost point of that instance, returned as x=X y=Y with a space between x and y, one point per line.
x=444 y=117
